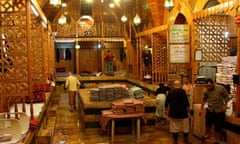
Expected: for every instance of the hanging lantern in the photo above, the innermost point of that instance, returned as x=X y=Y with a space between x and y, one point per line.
x=62 y=20
x=55 y=2
x=124 y=18
x=168 y=4
x=137 y=20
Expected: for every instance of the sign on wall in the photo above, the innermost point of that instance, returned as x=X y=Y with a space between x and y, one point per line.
x=180 y=53
x=179 y=34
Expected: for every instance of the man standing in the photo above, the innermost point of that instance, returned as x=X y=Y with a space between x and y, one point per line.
x=161 y=94
x=109 y=62
x=216 y=97
x=177 y=108
x=72 y=84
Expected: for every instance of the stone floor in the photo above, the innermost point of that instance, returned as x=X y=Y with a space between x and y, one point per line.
x=68 y=129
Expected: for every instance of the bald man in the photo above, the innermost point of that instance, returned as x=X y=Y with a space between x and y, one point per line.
x=177 y=109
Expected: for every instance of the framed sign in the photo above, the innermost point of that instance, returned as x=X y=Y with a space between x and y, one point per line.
x=198 y=55
x=179 y=34
x=180 y=53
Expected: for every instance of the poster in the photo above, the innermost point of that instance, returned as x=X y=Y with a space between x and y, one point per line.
x=180 y=53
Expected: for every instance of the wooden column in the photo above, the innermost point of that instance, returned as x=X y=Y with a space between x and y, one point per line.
x=29 y=59
x=237 y=103
x=77 y=61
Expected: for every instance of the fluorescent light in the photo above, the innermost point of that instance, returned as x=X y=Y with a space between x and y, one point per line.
x=65 y=40
x=34 y=10
x=44 y=24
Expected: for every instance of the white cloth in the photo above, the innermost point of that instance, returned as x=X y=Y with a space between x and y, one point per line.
x=179 y=125
x=160 y=105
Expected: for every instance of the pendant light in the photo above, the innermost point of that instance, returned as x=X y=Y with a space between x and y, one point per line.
x=137 y=19
x=168 y=4
x=124 y=18
x=55 y=2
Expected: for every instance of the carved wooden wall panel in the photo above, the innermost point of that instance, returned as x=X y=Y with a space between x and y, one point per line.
x=13 y=51
x=97 y=30
x=37 y=50
x=210 y=37
x=159 y=58
x=14 y=74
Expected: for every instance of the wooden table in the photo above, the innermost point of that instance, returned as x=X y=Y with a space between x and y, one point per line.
x=108 y=116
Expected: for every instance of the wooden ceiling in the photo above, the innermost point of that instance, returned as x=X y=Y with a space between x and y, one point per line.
x=101 y=12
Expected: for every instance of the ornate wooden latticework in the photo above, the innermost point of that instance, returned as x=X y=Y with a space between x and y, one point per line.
x=13 y=61
x=210 y=38
x=22 y=58
x=37 y=50
x=97 y=30
x=14 y=74
x=159 y=58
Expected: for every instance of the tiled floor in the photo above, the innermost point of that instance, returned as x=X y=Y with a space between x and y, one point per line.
x=69 y=131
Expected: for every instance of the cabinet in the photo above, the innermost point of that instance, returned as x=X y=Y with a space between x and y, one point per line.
x=198 y=93
x=198 y=126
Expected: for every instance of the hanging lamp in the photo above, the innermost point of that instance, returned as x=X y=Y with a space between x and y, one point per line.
x=124 y=17
x=169 y=4
x=137 y=19
x=55 y=2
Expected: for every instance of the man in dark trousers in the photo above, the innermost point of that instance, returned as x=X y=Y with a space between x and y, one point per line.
x=216 y=97
x=177 y=108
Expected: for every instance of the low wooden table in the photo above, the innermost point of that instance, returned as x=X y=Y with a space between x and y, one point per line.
x=107 y=116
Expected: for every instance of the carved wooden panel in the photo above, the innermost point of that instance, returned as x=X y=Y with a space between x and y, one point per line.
x=36 y=50
x=97 y=30
x=210 y=37
x=159 y=58
x=12 y=5
x=13 y=61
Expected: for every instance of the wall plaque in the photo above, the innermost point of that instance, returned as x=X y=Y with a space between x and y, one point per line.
x=180 y=53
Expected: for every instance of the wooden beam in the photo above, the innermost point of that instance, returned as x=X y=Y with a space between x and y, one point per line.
x=152 y=30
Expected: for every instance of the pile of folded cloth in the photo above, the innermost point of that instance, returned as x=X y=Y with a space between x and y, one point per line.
x=94 y=94
x=136 y=92
x=118 y=107
x=108 y=92
x=127 y=106
x=120 y=91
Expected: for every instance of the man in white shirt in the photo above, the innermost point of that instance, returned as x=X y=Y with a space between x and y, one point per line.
x=72 y=84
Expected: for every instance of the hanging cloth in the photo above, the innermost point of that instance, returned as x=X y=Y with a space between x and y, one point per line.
x=122 y=54
x=68 y=54
x=57 y=54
